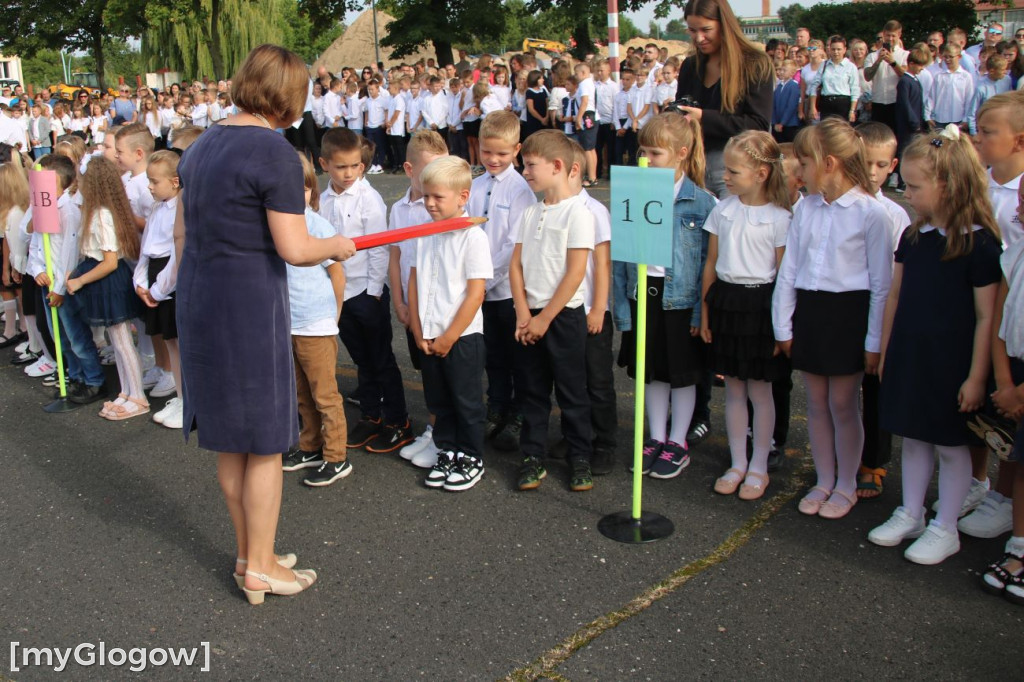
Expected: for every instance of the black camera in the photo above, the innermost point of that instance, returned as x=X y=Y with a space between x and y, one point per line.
x=887 y=47
x=684 y=101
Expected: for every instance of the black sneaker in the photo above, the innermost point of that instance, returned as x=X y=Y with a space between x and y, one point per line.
x=50 y=379
x=774 y=459
x=672 y=461
x=495 y=423
x=301 y=459
x=582 y=479
x=464 y=474
x=365 y=430
x=507 y=440
x=69 y=389
x=603 y=461
x=391 y=438
x=698 y=432
x=652 y=451
x=438 y=474
x=328 y=473
x=89 y=394
x=531 y=473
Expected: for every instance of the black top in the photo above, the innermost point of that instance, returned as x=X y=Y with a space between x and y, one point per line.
x=754 y=111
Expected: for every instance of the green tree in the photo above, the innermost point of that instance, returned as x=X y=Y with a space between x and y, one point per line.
x=42 y=69
x=627 y=29
x=865 y=20
x=792 y=17
x=302 y=36
x=588 y=18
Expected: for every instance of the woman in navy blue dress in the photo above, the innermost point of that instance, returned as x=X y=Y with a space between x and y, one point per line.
x=240 y=218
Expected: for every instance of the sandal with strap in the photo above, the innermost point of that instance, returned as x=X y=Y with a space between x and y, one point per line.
x=754 y=491
x=284 y=560
x=832 y=509
x=725 y=486
x=996 y=577
x=118 y=413
x=109 y=405
x=869 y=482
x=812 y=507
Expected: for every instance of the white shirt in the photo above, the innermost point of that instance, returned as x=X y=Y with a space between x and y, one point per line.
x=397 y=106
x=502 y=199
x=435 y=110
x=842 y=79
x=653 y=73
x=951 y=96
x=602 y=234
x=141 y=200
x=17 y=241
x=12 y=132
x=837 y=247
x=489 y=105
x=63 y=244
x=406 y=213
x=444 y=264
x=376 y=110
x=665 y=92
x=547 y=232
x=158 y=242
x=747 y=239
x=354 y=111
x=898 y=219
x=644 y=96
x=358 y=211
x=555 y=98
x=102 y=236
x=587 y=89
x=1004 y=206
x=415 y=114
x=622 y=99
x=504 y=95
x=1011 y=330
x=455 y=109
x=166 y=118
x=201 y=115
x=333 y=116
x=883 y=85
x=152 y=121
x=606 y=94
x=927 y=79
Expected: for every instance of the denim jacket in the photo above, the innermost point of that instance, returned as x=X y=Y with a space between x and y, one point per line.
x=683 y=281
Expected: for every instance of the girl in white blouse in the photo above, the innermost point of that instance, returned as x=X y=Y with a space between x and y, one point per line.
x=102 y=282
x=829 y=301
x=747 y=239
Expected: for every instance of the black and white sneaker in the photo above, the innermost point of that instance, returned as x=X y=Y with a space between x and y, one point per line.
x=437 y=476
x=464 y=473
x=698 y=432
x=301 y=459
x=328 y=473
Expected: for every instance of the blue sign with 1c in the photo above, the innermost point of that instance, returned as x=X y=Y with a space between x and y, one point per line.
x=641 y=211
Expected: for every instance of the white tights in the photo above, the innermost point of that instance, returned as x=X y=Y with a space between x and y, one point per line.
x=835 y=429
x=129 y=369
x=657 y=395
x=760 y=394
x=954 y=478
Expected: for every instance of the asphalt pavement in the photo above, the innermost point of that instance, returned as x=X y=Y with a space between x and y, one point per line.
x=115 y=532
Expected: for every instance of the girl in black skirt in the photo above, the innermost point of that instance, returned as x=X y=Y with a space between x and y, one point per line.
x=748 y=237
x=829 y=301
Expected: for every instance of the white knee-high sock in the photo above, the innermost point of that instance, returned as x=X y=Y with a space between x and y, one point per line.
x=844 y=404
x=820 y=430
x=760 y=393
x=98 y=337
x=954 y=483
x=145 y=342
x=35 y=339
x=10 y=318
x=128 y=366
x=656 y=396
x=918 y=465
x=736 y=421
x=683 y=401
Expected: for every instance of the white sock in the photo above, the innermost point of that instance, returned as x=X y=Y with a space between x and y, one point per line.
x=145 y=343
x=10 y=318
x=35 y=339
x=683 y=401
x=656 y=395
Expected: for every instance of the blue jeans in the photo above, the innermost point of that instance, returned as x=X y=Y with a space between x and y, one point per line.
x=83 y=361
x=40 y=152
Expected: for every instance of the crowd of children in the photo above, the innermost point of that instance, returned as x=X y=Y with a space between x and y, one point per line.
x=920 y=317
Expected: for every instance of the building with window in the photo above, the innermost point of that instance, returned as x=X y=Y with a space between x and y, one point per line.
x=10 y=68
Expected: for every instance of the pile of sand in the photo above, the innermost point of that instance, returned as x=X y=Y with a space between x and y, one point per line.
x=355 y=46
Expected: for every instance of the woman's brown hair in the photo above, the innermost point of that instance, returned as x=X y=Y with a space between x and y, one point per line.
x=743 y=64
x=272 y=81
x=101 y=187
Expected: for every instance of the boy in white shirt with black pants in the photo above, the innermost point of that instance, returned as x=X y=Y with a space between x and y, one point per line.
x=446 y=291
x=546 y=275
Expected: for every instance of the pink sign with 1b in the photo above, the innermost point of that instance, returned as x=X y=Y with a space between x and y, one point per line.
x=43 y=186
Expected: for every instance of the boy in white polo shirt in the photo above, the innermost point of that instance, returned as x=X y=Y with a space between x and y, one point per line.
x=556 y=236
x=446 y=291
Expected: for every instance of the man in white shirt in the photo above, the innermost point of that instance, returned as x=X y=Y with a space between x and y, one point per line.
x=651 y=62
x=883 y=69
x=606 y=89
x=993 y=34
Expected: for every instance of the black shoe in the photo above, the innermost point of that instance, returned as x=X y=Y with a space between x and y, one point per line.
x=531 y=473
x=698 y=432
x=603 y=461
x=7 y=342
x=365 y=430
x=582 y=478
x=328 y=473
x=89 y=394
x=391 y=438
x=495 y=423
x=50 y=379
x=25 y=358
x=301 y=459
x=775 y=459
x=651 y=451
x=69 y=389
x=507 y=440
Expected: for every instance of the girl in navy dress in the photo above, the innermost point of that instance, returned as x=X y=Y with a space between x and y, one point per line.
x=828 y=303
x=102 y=282
x=748 y=237
x=937 y=336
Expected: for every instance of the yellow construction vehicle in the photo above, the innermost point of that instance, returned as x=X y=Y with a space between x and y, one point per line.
x=543 y=45
x=81 y=81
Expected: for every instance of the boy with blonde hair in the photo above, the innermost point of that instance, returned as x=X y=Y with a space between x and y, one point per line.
x=446 y=291
x=554 y=241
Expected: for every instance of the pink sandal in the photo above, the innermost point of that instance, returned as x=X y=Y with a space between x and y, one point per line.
x=109 y=405
x=812 y=507
x=837 y=509
x=120 y=412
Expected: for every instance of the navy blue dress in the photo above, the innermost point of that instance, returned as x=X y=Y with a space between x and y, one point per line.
x=234 y=324
x=932 y=339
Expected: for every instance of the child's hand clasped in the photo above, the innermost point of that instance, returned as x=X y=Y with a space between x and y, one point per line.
x=1009 y=402
x=73 y=286
x=971 y=395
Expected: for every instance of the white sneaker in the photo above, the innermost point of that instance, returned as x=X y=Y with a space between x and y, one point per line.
x=171 y=415
x=992 y=518
x=427 y=457
x=898 y=528
x=164 y=387
x=40 y=368
x=148 y=362
x=934 y=546
x=416 y=447
x=107 y=356
x=21 y=347
x=151 y=377
x=975 y=495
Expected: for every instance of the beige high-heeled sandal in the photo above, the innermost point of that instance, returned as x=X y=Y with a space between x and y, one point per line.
x=283 y=560
x=303 y=580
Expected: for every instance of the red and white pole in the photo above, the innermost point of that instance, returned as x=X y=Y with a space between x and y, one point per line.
x=613 y=38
